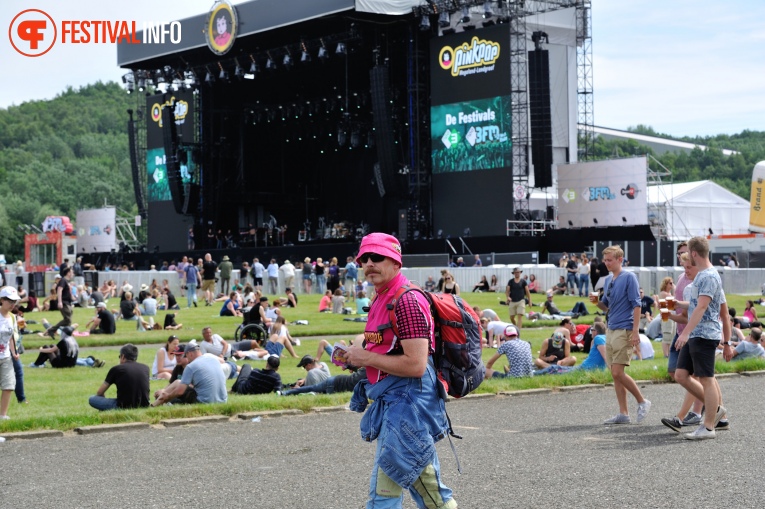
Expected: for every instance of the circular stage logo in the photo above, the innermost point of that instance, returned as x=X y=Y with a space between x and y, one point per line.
x=221 y=28
x=446 y=58
x=32 y=32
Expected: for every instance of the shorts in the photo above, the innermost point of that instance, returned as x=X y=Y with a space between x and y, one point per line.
x=258 y=281
x=208 y=285
x=697 y=357
x=7 y=375
x=673 y=353
x=307 y=275
x=618 y=347
x=517 y=308
x=668 y=329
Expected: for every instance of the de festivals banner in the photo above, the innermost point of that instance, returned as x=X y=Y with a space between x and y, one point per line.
x=602 y=193
x=472 y=135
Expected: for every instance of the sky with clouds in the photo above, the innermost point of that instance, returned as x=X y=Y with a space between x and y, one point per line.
x=683 y=67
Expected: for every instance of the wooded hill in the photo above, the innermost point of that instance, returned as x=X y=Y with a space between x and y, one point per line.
x=71 y=153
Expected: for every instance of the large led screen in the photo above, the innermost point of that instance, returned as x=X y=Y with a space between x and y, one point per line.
x=602 y=193
x=471 y=135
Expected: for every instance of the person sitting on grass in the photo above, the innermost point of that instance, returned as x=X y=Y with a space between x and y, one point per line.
x=555 y=350
x=231 y=306
x=165 y=360
x=131 y=379
x=551 y=309
x=574 y=333
x=643 y=351
x=482 y=285
x=316 y=371
x=595 y=360
x=259 y=381
x=65 y=353
x=327 y=347
x=325 y=304
x=518 y=354
x=291 y=300
x=103 y=322
x=560 y=287
x=170 y=322
x=331 y=385
x=750 y=347
x=362 y=303
x=495 y=329
x=202 y=381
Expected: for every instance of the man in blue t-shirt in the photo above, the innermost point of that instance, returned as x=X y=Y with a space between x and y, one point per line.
x=351 y=273
x=202 y=381
x=621 y=299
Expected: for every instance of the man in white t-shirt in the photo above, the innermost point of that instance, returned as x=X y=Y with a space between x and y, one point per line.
x=317 y=371
x=214 y=344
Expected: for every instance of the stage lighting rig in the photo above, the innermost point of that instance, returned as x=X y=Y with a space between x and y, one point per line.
x=425 y=23
x=223 y=73
x=254 y=69
x=287 y=60
x=209 y=78
x=238 y=71
x=129 y=80
x=305 y=56
x=444 y=20
x=270 y=62
x=341 y=49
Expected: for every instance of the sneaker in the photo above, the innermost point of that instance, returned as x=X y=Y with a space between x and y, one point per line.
x=723 y=425
x=673 y=423
x=195 y=303
x=719 y=415
x=692 y=419
x=643 y=409
x=99 y=363
x=33 y=365
x=618 y=419
x=4 y=418
x=701 y=433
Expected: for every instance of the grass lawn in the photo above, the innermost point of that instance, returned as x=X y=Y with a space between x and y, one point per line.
x=58 y=397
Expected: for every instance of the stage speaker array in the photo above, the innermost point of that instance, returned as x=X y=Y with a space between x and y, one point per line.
x=540 y=117
x=170 y=141
x=386 y=152
x=137 y=174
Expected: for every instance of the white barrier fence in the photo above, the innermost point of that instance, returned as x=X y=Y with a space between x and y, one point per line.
x=735 y=281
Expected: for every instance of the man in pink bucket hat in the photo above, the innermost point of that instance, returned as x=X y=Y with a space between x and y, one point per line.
x=399 y=364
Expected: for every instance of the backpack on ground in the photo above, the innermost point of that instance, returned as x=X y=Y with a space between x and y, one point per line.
x=458 y=334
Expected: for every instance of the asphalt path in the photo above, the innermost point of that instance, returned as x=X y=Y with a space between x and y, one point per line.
x=518 y=451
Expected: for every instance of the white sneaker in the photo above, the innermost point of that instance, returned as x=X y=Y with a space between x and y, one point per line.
x=701 y=433
x=618 y=419
x=643 y=409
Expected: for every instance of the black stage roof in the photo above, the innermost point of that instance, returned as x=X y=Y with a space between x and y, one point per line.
x=254 y=17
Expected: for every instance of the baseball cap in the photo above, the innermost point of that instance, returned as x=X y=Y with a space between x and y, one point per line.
x=306 y=360
x=10 y=293
x=57 y=276
x=511 y=331
x=382 y=244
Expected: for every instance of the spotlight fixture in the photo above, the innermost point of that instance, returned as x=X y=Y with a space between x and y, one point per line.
x=129 y=81
x=487 y=10
x=425 y=23
x=223 y=73
x=465 y=15
x=270 y=64
x=254 y=69
x=190 y=79
x=287 y=61
x=443 y=20
x=209 y=78
x=341 y=49
x=323 y=53
x=238 y=71
x=305 y=56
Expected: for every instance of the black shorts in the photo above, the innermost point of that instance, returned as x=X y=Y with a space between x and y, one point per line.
x=697 y=357
x=258 y=281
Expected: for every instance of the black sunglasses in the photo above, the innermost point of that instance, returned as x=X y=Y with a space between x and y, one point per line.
x=376 y=258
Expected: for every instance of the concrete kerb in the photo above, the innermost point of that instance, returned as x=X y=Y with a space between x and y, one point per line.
x=753 y=373
x=108 y=428
x=571 y=388
x=29 y=435
x=171 y=423
x=246 y=416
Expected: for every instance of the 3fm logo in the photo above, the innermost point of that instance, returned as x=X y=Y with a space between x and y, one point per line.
x=32 y=32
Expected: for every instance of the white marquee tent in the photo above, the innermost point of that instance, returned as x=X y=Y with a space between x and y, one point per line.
x=693 y=208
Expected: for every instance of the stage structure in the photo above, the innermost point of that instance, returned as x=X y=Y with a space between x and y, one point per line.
x=278 y=123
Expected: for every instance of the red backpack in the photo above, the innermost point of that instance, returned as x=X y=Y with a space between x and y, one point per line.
x=458 y=340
